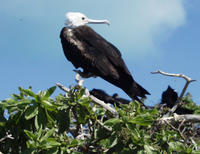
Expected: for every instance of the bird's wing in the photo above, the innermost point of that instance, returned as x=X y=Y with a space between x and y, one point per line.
x=105 y=56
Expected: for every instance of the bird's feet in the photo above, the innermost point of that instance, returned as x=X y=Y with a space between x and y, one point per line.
x=79 y=81
x=84 y=75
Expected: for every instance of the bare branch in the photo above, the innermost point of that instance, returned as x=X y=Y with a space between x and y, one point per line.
x=177 y=118
x=62 y=87
x=188 y=80
x=107 y=128
x=83 y=135
x=7 y=136
x=176 y=129
x=193 y=142
x=174 y=75
x=104 y=105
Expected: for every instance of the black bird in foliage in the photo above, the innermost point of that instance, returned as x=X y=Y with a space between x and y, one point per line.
x=169 y=97
x=96 y=56
x=115 y=99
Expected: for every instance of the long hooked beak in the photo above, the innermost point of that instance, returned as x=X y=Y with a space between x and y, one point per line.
x=91 y=21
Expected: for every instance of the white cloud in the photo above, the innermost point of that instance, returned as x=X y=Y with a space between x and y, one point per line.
x=146 y=23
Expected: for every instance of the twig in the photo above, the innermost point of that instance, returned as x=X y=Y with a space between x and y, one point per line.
x=107 y=128
x=7 y=136
x=95 y=100
x=62 y=87
x=177 y=129
x=195 y=144
x=83 y=135
x=188 y=80
x=174 y=75
x=104 y=105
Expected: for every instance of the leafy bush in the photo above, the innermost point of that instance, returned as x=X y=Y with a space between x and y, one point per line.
x=73 y=123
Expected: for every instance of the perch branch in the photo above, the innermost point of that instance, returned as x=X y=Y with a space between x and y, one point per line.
x=104 y=105
x=95 y=100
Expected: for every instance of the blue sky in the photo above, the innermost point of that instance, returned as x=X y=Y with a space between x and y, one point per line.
x=151 y=35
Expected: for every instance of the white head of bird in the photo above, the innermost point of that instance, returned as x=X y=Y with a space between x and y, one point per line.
x=75 y=19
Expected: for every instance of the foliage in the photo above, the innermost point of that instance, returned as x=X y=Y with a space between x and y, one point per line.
x=72 y=123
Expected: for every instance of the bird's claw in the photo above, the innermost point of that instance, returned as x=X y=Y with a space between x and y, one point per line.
x=84 y=75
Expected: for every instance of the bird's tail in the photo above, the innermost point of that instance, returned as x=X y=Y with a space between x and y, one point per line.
x=141 y=91
x=134 y=97
x=135 y=91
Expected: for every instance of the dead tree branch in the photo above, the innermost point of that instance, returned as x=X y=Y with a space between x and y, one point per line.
x=7 y=136
x=188 y=80
x=177 y=129
x=177 y=118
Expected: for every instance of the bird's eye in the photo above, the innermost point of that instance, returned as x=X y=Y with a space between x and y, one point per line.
x=83 y=18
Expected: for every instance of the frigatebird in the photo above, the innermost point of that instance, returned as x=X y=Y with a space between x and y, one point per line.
x=96 y=56
x=169 y=97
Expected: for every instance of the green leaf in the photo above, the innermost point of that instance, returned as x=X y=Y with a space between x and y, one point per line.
x=28 y=151
x=43 y=143
x=48 y=134
x=73 y=143
x=38 y=98
x=143 y=120
x=48 y=105
x=148 y=149
x=30 y=135
x=190 y=149
x=112 y=122
x=10 y=101
x=31 y=144
x=131 y=126
x=120 y=111
x=31 y=111
x=125 y=119
x=84 y=102
x=12 y=109
x=135 y=134
x=63 y=120
x=17 y=97
x=23 y=102
x=52 y=143
x=28 y=92
x=54 y=151
x=40 y=118
x=49 y=92
x=49 y=117
x=39 y=133
x=82 y=91
x=113 y=139
x=2 y=119
x=81 y=117
x=153 y=111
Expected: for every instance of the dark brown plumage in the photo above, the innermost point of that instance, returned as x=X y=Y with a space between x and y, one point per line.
x=169 y=97
x=88 y=50
x=115 y=99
